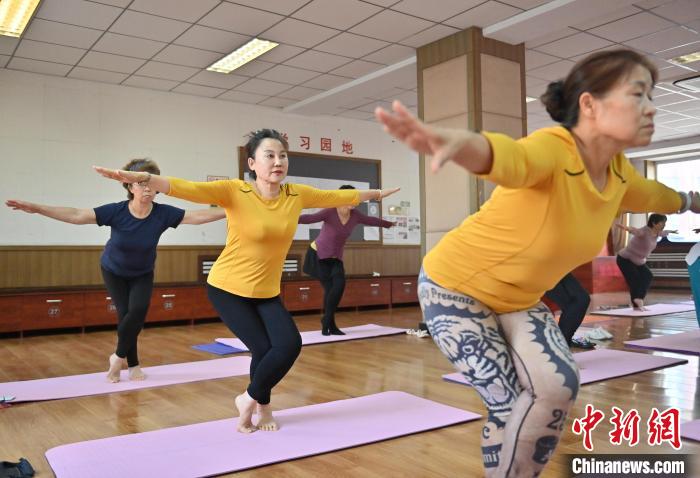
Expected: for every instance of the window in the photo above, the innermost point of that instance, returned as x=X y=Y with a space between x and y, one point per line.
x=681 y=176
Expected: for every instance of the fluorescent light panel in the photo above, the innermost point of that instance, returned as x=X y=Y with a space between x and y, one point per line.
x=248 y=52
x=530 y=99
x=685 y=59
x=14 y=16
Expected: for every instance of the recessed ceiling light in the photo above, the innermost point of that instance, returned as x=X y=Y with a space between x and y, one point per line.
x=248 y=52
x=14 y=16
x=685 y=59
x=690 y=84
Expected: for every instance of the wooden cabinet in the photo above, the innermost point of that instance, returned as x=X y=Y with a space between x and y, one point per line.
x=99 y=309
x=302 y=295
x=201 y=307
x=10 y=313
x=171 y=303
x=52 y=311
x=404 y=290
x=359 y=292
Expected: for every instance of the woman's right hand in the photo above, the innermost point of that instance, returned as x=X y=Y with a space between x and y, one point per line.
x=25 y=206
x=123 y=176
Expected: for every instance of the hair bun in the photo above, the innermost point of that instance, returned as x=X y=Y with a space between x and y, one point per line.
x=553 y=100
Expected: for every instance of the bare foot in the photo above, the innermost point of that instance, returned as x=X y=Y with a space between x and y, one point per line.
x=638 y=304
x=115 y=367
x=246 y=407
x=266 y=422
x=135 y=373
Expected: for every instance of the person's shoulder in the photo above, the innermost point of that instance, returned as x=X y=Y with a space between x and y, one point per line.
x=553 y=133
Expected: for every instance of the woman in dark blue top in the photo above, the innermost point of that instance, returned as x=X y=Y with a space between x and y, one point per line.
x=129 y=256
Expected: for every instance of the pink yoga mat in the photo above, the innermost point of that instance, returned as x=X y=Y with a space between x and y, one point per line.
x=97 y=384
x=601 y=364
x=213 y=448
x=315 y=336
x=691 y=430
x=653 y=309
x=683 y=343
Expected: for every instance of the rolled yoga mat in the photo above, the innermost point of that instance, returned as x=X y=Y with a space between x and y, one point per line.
x=97 y=383
x=315 y=337
x=602 y=364
x=653 y=309
x=683 y=343
x=213 y=448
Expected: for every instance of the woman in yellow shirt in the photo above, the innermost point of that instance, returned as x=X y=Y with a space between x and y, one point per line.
x=481 y=285
x=244 y=282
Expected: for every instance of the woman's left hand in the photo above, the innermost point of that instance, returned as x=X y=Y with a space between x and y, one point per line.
x=123 y=176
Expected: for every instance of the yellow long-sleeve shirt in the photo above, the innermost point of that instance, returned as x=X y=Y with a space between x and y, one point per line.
x=259 y=231
x=543 y=220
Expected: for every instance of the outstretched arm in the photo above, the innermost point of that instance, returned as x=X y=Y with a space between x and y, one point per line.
x=376 y=194
x=154 y=181
x=315 y=217
x=632 y=230
x=203 y=216
x=70 y=215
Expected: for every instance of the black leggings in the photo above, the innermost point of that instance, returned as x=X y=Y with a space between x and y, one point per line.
x=573 y=300
x=131 y=297
x=638 y=278
x=332 y=277
x=269 y=332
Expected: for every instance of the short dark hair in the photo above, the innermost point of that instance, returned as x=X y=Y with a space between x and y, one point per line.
x=139 y=164
x=346 y=186
x=256 y=137
x=596 y=74
x=654 y=219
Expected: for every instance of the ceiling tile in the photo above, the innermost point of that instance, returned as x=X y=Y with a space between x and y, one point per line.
x=356 y=103
x=79 y=12
x=262 y=87
x=623 y=12
x=327 y=82
x=300 y=93
x=370 y=107
x=198 y=90
x=382 y=3
x=435 y=11
x=391 y=26
x=218 y=80
x=150 y=83
x=298 y=33
x=357 y=68
x=282 y=7
x=348 y=44
x=277 y=102
x=340 y=14
x=550 y=37
x=211 y=39
x=115 y=3
x=3 y=60
x=97 y=75
x=664 y=40
x=148 y=26
x=317 y=61
x=356 y=114
x=650 y=3
x=166 y=71
x=185 y=11
x=242 y=97
x=240 y=19
x=254 y=68
x=679 y=50
x=631 y=27
x=109 y=62
x=288 y=74
x=429 y=35
x=482 y=16
x=574 y=45
x=391 y=54
x=37 y=50
x=408 y=98
x=37 y=66
x=61 y=33
x=182 y=55
x=680 y=11
x=128 y=46
x=281 y=53
x=673 y=72
x=8 y=45
x=553 y=72
x=525 y=4
x=535 y=59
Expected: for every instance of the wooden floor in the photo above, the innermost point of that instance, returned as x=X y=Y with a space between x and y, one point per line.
x=323 y=373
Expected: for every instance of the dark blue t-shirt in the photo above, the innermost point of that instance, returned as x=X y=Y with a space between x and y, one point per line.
x=131 y=249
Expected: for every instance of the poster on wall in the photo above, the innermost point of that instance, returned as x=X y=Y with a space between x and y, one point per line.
x=406 y=230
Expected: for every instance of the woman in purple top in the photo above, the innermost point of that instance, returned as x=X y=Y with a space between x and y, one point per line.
x=632 y=259
x=324 y=258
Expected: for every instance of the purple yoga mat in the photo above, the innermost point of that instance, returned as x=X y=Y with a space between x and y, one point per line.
x=691 y=430
x=97 y=384
x=213 y=448
x=683 y=343
x=653 y=309
x=315 y=336
x=601 y=364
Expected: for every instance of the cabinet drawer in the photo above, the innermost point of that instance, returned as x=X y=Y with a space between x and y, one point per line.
x=98 y=309
x=49 y=311
x=303 y=295
x=359 y=292
x=201 y=307
x=404 y=290
x=10 y=313
x=170 y=304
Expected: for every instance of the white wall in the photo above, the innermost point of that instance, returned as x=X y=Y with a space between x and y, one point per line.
x=52 y=130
